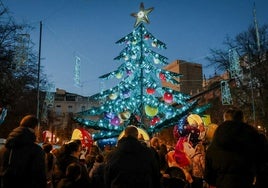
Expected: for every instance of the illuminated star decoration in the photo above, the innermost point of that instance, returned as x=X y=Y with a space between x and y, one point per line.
x=142 y=15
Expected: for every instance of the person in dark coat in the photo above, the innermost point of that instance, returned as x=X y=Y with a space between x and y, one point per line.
x=71 y=180
x=22 y=160
x=262 y=174
x=233 y=157
x=131 y=164
x=69 y=154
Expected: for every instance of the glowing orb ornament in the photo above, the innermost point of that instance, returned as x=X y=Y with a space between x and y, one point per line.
x=156 y=61
x=126 y=93
x=113 y=96
x=134 y=56
x=162 y=76
x=154 y=120
x=126 y=58
x=124 y=115
x=169 y=113
x=107 y=142
x=154 y=44
x=119 y=75
x=146 y=37
x=150 y=90
x=151 y=111
x=168 y=97
x=129 y=72
x=134 y=42
x=147 y=71
x=109 y=115
x=115 y=121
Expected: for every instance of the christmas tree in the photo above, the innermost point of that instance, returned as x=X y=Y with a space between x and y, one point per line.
x=139 y=97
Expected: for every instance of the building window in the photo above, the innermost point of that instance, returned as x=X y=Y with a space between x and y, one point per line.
x=70 y=97
x=70 y=108
x=59 y=97
x=83 y=108
x=58 y=110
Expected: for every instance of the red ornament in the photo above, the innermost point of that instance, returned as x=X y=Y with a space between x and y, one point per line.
x=162 y=76
x=146 y=37
x=155 y=120
x=150 y=90
x=168 y=97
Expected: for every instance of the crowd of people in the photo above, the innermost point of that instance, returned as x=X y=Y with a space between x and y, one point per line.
x=237 y=156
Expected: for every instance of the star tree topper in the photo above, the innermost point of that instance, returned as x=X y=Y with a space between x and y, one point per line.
x=142 y=15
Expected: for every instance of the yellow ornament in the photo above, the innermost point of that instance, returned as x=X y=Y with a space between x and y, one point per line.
x=118 y=75
x=124 y=115
x=151 y=111
x=113 y=96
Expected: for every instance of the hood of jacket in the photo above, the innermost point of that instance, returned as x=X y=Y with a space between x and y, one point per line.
x=236 y=136
x=19 y=137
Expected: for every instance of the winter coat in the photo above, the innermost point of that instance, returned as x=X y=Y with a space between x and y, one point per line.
x=233 y=157
x=131 y=165
x=93 y=169
x=59 y=171
x=27 y=160
x=97 y=179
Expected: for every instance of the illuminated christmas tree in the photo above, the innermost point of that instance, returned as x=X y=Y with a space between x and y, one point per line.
x=139 y=97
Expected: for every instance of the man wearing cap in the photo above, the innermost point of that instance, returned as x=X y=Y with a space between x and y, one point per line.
x=22 y=161
x=131 y=164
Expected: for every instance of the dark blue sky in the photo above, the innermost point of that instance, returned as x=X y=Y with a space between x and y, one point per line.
x=90 y=28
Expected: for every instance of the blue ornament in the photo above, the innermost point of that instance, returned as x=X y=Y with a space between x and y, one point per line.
x=109 y=115
x=126 y=93
x=108 y=141
x=169 y=113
